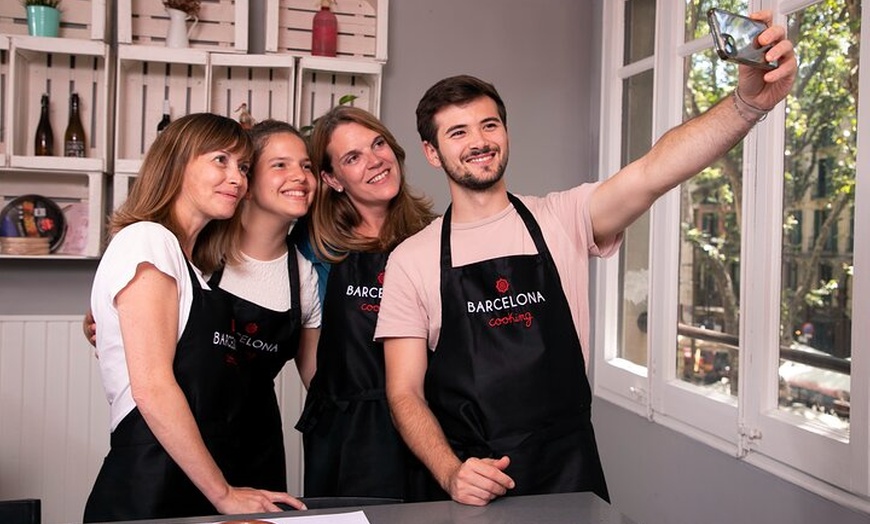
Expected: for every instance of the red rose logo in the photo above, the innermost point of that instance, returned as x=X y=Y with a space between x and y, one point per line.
x=381 y=278
x=502 y=285
x=251 y=328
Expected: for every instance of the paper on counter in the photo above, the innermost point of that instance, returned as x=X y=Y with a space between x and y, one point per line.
x=354 y=517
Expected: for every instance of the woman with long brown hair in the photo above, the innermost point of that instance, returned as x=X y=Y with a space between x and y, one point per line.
x=166 y=344
x=363 y=210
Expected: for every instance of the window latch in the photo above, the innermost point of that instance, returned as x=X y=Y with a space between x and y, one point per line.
x=748 y=439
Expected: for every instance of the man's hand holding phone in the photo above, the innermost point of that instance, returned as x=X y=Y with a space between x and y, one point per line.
x=767 y=64
x=735 y=38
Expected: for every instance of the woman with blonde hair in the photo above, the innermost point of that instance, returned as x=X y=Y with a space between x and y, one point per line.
x=166 y=346
x=362 y=211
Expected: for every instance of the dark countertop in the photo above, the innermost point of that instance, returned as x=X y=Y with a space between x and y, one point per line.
x=562 y=508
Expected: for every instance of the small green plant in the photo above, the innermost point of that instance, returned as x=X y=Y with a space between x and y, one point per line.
x=45 y=3
x=306 y=130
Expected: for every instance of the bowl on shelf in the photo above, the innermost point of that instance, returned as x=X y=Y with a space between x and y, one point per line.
x=31 y=225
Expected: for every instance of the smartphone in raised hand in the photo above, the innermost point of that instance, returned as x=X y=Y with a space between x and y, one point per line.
x=735 y=38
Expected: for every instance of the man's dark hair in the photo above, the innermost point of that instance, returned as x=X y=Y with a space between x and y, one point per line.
x=455 y=90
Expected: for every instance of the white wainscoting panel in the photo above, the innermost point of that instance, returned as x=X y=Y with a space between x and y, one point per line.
x=54 y=418
x=53 y=414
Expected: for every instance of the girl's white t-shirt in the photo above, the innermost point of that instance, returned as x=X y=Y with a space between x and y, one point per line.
x=266 y=283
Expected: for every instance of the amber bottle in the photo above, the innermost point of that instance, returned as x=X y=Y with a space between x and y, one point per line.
x=43 y=144
x=74 y=138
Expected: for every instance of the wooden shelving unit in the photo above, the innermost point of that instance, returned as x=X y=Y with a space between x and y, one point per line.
x=78 y=61
x=122 y=87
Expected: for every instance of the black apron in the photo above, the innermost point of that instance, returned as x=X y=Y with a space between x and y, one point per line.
x=508 y=374
x=138 y=479
x=351 y=446
x=266 y=340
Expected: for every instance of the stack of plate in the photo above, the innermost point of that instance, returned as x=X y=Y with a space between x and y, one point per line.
x=24 y=245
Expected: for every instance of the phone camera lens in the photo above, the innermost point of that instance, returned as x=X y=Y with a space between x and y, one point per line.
x=730 y=48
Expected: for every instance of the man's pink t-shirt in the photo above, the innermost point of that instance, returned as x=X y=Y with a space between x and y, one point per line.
x=411 y=302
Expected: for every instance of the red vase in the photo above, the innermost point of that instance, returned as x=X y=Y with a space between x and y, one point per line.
x=324 y=34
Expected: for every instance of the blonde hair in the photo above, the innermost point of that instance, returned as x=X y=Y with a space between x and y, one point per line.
x=334 y=215
x=160 y=179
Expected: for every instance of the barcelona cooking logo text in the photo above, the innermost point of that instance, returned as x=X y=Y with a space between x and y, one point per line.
x=222 y=339
x=249 y=340
x=371 y=293
x=507 y=303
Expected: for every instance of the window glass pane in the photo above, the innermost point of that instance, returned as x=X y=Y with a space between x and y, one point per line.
x=637 y=103
x=640 y=29
x=819 y=188
x=637 y=110
x=708 y=320
x=696 y=15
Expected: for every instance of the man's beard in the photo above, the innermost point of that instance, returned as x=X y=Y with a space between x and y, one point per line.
x=467 y=180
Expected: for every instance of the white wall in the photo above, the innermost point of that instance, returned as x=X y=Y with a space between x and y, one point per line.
x=658 y=476
x=538 y=55
x=542 y=56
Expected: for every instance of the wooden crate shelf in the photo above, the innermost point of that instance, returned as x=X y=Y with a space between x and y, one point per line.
x=81 y=197
x=79 y=19
x=4 y=87
x=264 y=82
x=121 y=185
x=322 y=82
x=222 y=24
x=59 y=67
x=362 y=27
x=146 y=77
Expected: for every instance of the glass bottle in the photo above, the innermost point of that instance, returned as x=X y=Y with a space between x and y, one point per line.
x=324 y=32
x=43 y=144
x=166 y=119
x=74 y=138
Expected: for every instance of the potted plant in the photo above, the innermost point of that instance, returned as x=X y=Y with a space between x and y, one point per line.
x=188 y=7
x=180 y=11
x=43 y=17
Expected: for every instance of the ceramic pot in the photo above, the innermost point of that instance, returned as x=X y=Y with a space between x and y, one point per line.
x=42 y=20
x=178 y=33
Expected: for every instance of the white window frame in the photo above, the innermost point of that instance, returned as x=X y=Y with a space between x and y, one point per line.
x=753 y=428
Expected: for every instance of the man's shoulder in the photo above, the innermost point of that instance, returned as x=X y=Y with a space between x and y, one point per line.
x=579 y=192
x=423 y=241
